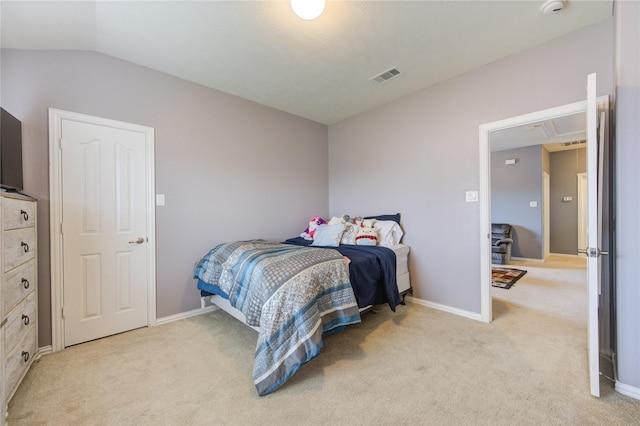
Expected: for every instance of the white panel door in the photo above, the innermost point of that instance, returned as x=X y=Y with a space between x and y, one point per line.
x=582 y=211
x=104 y=225
x=593 y=234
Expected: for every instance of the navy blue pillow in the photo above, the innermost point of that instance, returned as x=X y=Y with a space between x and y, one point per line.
x=393 y=217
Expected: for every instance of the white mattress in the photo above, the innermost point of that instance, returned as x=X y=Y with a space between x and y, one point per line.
x=402 y=266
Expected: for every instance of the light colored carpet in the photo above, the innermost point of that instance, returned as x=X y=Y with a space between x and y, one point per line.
x=415 y=366
x=557 y=287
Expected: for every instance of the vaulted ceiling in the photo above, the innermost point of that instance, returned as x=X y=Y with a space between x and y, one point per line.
x=320 y=69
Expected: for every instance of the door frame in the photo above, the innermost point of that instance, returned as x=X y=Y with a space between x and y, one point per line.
x=56 y=116
x=582 y=210
x=546 y=215
x=486 y=311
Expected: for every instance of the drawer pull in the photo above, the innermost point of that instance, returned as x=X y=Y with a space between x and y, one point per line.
x=24 y=214
x=25 y=356
x=25 y=319
x=25 y=283
x=25 y=246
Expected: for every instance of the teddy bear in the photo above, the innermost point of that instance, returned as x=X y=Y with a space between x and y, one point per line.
x=313 y=225
x=367 y=234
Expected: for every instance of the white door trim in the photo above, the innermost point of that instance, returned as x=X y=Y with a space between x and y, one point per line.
x=546 y=215
x=485 y=187
x=582 y=211
x=56 y=117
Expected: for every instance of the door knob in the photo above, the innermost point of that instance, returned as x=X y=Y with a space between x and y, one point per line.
x=140 y=240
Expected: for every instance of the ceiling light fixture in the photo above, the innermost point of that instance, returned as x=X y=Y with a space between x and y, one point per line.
x=308 y=9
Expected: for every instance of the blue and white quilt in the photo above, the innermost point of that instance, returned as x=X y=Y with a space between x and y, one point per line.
x=293 y=294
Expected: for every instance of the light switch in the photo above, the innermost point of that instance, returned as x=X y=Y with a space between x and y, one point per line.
x=533 y=204
x=567 y=199
x=472 y=196
x=159 y=199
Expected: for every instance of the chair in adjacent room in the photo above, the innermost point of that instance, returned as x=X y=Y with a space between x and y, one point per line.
x=501 y=241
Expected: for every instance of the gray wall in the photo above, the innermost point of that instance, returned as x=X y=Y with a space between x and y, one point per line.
x=627 y=195
x=419 y=155
x=513 y=187
x=230 y=169
x=565 y=166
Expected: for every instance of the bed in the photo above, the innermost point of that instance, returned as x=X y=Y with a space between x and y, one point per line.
x=379 y=275
x=293 y=292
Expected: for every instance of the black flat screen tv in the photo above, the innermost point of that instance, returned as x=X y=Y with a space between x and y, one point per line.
x=10 y=152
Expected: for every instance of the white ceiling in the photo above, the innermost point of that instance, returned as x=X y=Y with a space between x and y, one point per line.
x=559 y=134
x=321 y=69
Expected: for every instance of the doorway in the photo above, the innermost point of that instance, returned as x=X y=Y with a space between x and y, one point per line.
x=528 y=163
x=102 y=227
x=527 y=120
x=543 y=212
x=594 y=174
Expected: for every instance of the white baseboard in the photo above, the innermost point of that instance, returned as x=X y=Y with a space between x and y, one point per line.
x=525 y=259
x=628 y=390
x=188 y=314
x=438 y=306
x=44 y=350
x=574 y=256
x=445 y=308
x=528 y=259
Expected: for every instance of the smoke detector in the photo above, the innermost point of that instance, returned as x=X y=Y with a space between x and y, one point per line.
x=551 y=7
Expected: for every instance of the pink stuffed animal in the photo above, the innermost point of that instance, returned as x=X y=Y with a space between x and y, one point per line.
x=313 y=225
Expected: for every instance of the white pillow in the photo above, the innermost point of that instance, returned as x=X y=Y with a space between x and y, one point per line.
x=389 y=233
x=335 y=219
x=349 y=236
x=328 y=235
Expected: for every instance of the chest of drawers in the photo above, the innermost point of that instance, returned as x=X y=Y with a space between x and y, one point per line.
x=18 y=290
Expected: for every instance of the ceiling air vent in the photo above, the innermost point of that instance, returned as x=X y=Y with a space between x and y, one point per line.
x=386 y=76
x=573 y=143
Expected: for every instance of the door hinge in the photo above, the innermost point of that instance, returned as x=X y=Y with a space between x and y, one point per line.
x=62 y=309
x=61 y=229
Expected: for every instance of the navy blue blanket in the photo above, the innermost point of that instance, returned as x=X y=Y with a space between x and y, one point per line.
x=372 y=272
